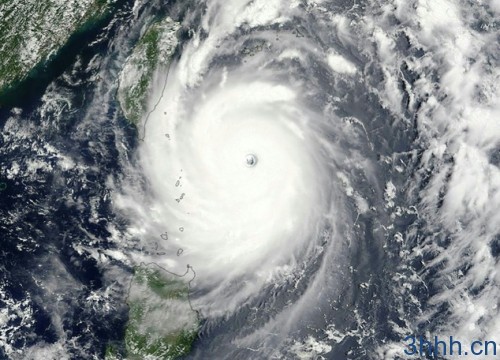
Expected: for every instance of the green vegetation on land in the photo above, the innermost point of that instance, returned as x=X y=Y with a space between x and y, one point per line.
x=161 y=323
x=153 y=50
x=31 y=32
x=167 y=287
x=111 y=353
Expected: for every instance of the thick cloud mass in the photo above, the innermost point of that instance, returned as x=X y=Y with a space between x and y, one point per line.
x=232 y=222
x=370 y=211
x=358 y=126
x=237 y=219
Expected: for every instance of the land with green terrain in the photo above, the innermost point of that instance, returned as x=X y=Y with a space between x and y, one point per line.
x=162 y=324
x=152 y=52
x=32 y=32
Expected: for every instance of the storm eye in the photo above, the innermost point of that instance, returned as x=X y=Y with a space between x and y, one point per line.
x=251 y=160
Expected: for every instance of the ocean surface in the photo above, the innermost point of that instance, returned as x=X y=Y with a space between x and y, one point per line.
x=370 y=214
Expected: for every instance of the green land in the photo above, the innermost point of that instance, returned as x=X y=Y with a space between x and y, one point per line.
x=32 y=32
x=162 y=324
x=153 y=52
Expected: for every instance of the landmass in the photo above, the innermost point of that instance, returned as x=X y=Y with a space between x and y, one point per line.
x=154 y=50
x=32 y=32
x=162 y=324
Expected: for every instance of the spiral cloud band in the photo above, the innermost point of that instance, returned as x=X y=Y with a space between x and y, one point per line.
x=286 y=144
x=304 y=179
x=239 y=157
x=236 y=218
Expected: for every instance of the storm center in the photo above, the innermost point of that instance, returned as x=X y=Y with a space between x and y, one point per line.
x=251 y=160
